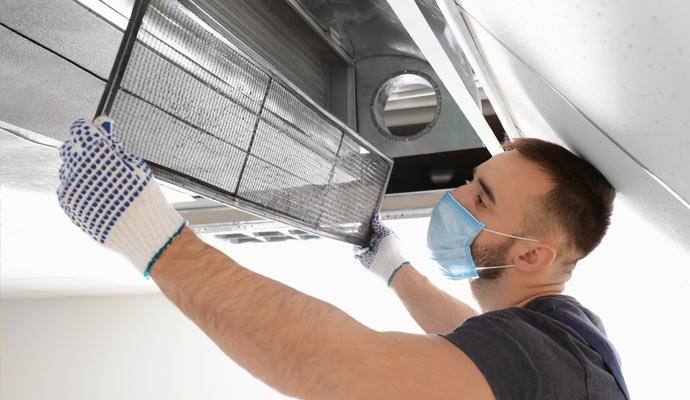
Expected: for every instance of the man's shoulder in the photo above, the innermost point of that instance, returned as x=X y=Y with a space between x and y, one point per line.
x=535 y=315
x=534 y=312
x=554 y=301
x=528 y=326
x=522 y=348
x=565 y=304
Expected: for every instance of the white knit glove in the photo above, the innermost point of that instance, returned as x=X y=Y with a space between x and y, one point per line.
x=109 y=193
x=383 y=256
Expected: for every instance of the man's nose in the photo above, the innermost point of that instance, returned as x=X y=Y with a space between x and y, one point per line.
x=461 y=194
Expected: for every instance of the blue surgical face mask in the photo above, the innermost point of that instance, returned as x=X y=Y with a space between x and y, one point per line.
x=452 y=230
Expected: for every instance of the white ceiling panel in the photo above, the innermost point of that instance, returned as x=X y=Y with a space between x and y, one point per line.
x=42 y=254
x=624 y=65
x=41 y=91
x=605 y=79
x=66 y=28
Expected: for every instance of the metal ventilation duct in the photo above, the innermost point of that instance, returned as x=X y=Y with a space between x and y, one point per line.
x=209 y=119
x=388 y=62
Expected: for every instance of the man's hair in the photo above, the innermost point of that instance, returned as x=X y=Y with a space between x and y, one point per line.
x=579 y=206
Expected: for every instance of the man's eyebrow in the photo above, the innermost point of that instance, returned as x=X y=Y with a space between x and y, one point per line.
x=485 y=187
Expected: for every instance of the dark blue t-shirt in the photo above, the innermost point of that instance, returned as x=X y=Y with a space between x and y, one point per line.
x=524 y=354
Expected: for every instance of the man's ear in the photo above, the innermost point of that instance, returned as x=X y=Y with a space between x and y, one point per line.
x=535 y=257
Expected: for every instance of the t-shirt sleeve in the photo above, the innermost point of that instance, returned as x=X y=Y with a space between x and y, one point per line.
x=518 y=360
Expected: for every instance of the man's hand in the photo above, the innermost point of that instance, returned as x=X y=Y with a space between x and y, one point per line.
x=434 y=310
x=109 y=193
x=383 y=256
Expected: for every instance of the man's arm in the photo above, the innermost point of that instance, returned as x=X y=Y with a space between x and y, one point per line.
x=434 y=310
x=303 y=346
x=297 y=344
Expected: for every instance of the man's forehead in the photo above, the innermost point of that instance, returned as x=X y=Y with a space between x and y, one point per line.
x=511 y=174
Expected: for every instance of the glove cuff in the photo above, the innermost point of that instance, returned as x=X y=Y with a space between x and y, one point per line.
x=146 y=229
x=388 y=260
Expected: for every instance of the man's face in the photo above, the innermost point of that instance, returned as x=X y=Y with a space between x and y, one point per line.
x=502 y=189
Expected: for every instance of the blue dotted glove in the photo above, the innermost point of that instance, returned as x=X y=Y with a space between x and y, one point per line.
x=109 y=193
x=382 y=256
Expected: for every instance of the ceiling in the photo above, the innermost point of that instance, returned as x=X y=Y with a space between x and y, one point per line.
x=42 y=254
x=607 y=80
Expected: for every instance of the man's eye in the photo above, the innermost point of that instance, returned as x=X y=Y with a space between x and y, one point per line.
x=480 y=202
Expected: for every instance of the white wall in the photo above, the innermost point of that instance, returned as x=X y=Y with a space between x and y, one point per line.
x=120 y=347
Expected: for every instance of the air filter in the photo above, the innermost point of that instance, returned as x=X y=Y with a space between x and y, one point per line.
x=211 y=119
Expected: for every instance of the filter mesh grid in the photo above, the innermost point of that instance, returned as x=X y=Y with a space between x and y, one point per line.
x=208 y=118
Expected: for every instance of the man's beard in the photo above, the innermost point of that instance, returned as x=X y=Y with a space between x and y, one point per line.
x=491 y=256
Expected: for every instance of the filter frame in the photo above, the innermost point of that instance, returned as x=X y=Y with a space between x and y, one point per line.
x=204 y=188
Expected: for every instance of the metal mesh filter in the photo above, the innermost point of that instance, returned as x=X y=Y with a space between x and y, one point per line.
x=209 y=119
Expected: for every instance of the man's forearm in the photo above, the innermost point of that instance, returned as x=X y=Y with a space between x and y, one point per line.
x=295 y=343
x=434 y=310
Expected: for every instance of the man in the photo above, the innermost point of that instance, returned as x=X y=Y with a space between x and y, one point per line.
x=307 y=348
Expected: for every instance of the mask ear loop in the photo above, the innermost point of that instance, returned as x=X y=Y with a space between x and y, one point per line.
x=498 y=266
x=511 y=236
x=506 y=235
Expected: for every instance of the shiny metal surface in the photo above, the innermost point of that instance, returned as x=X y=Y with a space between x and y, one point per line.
x=450 y=44
x=55 y=58
x=273 y=30
x=329 y=36
x=370 y=28
x=382 y=48
x=367 y=28
x=414 y=20
x=407 y=100
x=451 y=131
x=40 y=91
x=66 y=28
x=277 y=35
